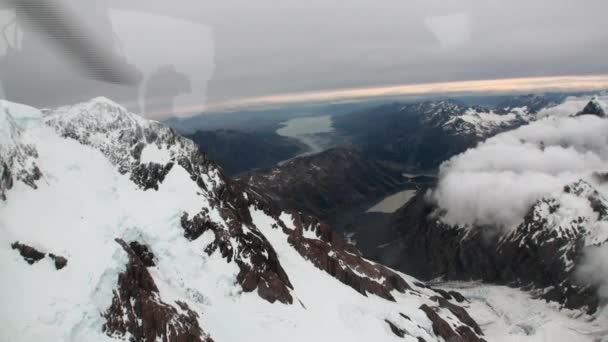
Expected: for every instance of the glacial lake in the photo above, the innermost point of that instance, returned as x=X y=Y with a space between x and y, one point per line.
x=391 y=203
x=307 y=131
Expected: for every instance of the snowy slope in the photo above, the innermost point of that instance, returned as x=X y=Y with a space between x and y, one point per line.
x=158 y=245
x=511 y=315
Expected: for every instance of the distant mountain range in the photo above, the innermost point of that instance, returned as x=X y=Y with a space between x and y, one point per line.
x=424 y=134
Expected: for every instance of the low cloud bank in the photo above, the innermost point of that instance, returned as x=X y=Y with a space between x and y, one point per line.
x=496 y=182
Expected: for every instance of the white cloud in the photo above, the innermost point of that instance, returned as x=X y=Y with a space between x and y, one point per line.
x=594 y=269
x=496 y=182
x=571 y=106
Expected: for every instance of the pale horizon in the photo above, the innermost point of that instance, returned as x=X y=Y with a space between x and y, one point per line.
x=474 y=87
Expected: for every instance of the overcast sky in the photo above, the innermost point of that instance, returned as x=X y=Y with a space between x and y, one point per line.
x=214 y=52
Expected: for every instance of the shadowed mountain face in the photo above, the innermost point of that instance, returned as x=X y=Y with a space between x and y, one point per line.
x=390 y=133
x=238 y=151
x=327 y=183
x=542 y=253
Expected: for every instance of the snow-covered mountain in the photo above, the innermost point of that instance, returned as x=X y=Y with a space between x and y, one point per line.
x=527 y=208
x=553 y=240
x=482 y=123
x=113 y=227
x=468 y=121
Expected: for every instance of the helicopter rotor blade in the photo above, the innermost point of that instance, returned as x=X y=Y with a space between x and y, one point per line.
x=68 y=32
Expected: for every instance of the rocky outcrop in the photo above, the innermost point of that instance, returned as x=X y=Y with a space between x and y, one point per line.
x=444 y=329
x=143 y=252
x=138 y=311
x=60 y=262
x=149 y=176
x=31 y=255
x=395 y=329
x=594 y=107
x=332 y=254
x=459 y=312
x=316 y=242
x=259 y=265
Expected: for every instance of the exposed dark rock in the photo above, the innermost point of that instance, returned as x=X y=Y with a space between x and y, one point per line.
x=442 y=293
x=405 y=316
x=32 y=255
x=60 y=262
x=395 y=329
x=138 y=310
x=29 y=254
x=6 y=181
x=143 y=252
x=199 y=224
x=263 y=271
x=459 y=312
x=457 y=296
x=428 y=249
x=533 y=256
x=27 y=176
x=334 y=255
x=443 y=328
x=330 y=252
x=440 y=327
x=593 y=107
x=149 y=176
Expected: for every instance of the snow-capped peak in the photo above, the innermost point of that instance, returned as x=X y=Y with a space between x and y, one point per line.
x=595 y=107
x=130 y=141
x=482 y=123
x=572 y=219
